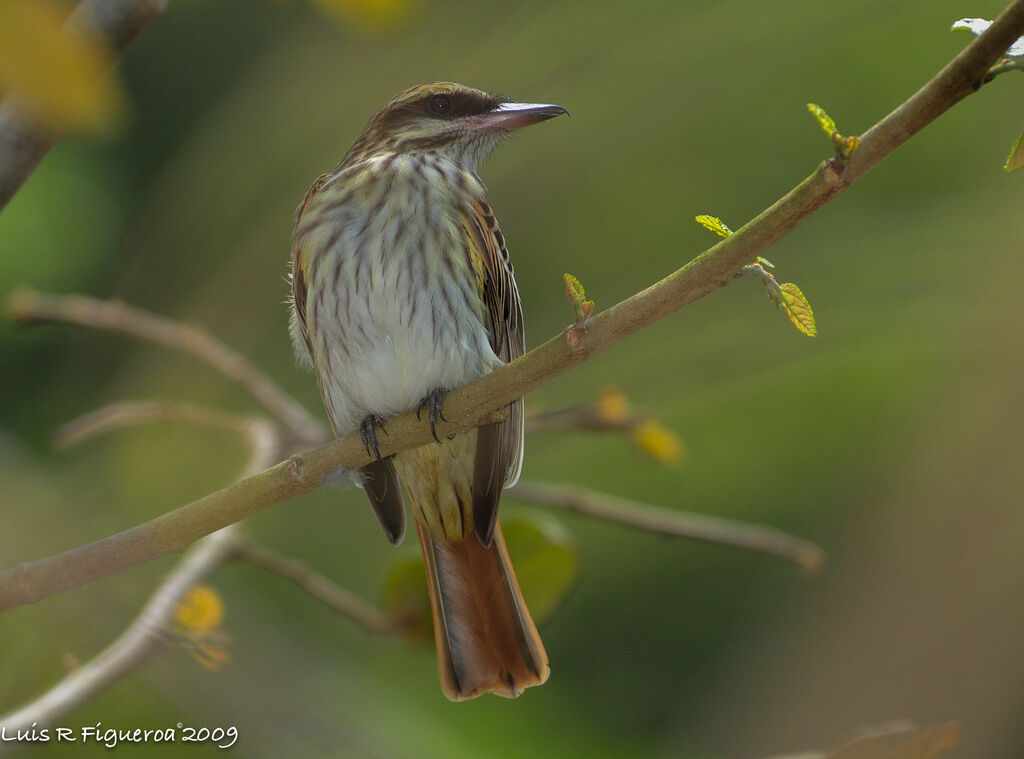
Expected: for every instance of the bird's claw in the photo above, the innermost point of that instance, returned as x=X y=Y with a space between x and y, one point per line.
x=368 y=432
x=433 y=402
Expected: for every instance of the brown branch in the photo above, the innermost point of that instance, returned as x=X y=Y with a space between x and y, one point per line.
x=676 y=524
x=174 y=531
x=22 y=145
x=150 y=632
x=131 y=413
x=27 y=306
x=320 y=587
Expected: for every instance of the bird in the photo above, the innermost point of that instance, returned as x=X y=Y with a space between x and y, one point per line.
x=402 y=290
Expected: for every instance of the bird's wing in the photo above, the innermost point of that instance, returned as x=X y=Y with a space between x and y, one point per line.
x=499 y=453
x=300 y=334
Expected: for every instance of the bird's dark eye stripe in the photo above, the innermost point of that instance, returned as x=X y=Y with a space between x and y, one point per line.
x=452 y=105
x=440 y=105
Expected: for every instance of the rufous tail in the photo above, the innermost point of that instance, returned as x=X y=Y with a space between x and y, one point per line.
x=486 y=639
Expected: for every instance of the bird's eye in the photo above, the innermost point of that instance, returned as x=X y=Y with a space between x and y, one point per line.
x=440 y=105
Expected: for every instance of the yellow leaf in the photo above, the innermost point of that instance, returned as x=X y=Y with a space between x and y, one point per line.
x=659 y=443
x=369 y=14
x=60 y=76
x=714 y=224
x=201 y=610
x=797 y=308
x=612 y=404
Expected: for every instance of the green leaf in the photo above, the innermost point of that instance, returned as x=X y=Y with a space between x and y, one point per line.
x=544 y=558
x=714 y=224
x=1016 y=158
x=797 y=308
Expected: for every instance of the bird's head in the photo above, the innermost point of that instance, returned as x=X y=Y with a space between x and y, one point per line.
x=452 y=120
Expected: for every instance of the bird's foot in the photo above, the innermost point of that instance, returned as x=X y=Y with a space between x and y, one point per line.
x=368 y=432
x=433 y=402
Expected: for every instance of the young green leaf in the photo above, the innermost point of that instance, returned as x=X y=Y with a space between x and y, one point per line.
x=798 y=309
x=582 y=308
x=823 y=118
x=1016 y=158
x=714 y=224
x=843 y=145
x=787 y=297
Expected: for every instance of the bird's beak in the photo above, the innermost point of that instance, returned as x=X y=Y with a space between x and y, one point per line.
x=509 y=117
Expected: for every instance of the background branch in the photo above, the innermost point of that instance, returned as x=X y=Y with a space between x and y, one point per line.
x=151 y=631
x=23 y=145
x=676 y=524
x=174 y=531
x=318 y=586
x=131 y=413
x=27 y=306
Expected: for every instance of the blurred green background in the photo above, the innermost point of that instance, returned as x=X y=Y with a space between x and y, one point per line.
x=893 y=439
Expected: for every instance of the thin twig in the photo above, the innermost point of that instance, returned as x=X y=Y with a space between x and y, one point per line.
x=23 y=145
x=716 y=267
x=131 y=413
x=150 y=631
x=27 y=306
x=318 y=586
x=676 y=524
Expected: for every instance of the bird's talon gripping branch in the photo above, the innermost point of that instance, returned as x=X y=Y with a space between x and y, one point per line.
x=434 y=402
x=368 y=432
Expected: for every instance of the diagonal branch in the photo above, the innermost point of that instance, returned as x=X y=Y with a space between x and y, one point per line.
x=675 y=524
x=27 y=306
x=22 y=145
x=174 y=531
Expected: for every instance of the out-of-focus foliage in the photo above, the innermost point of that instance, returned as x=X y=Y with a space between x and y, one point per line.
x=375 y=15
x=542 y=553
x=197 y=621
x=201 y=610
x=60 y=75
x=891 y=439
